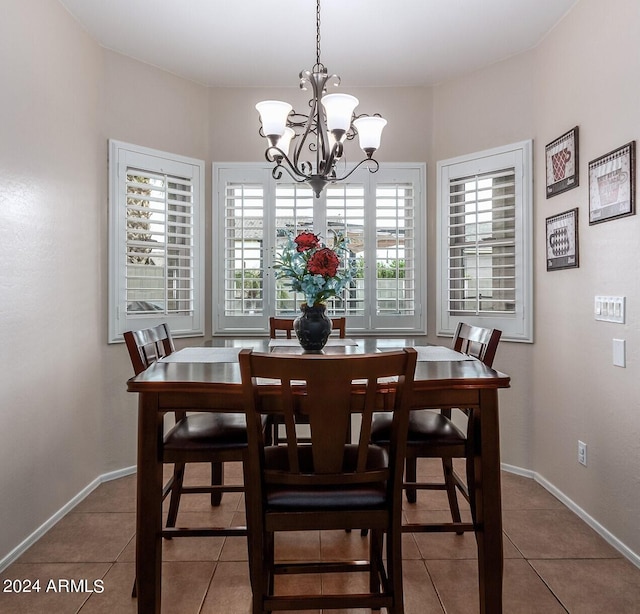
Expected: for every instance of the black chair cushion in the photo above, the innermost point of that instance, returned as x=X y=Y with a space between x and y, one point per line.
x=425 y=426
x=206 y=430
x=323 y=498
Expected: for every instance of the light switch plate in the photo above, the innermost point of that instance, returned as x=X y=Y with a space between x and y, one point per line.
x=610 y=308
x=619 y=358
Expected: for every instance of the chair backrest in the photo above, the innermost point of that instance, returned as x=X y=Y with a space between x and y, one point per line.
x=327 y=389
x=286 y=325
x=146 y=346
x=340 y=325
x=280 y=324
x=481 y=343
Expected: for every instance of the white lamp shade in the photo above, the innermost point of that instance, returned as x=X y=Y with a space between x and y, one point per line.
x=339 y=109
x=370 y=131
x=273 y=115
x=285 y=140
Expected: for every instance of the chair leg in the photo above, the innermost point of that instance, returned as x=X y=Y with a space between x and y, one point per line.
x=471 y=482
x=217 y=479
x=176 y=491
x=394 y=568
x=375 y=560
x=447 y=468
x=410 y=470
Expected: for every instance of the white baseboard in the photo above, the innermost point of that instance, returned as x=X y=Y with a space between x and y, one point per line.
x=63 y=511
x=578 y=511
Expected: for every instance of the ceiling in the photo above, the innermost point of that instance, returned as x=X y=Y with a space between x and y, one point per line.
x=251 y=43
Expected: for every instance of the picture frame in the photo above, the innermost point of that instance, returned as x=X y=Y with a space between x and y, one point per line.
x=562 y=241
x=612 y=184
x=562 y=163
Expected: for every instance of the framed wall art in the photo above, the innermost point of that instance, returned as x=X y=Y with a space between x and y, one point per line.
x=562 y=163
x=612 y=184
x=562 y=241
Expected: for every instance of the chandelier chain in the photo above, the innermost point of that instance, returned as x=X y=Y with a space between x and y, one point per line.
x=318 y=32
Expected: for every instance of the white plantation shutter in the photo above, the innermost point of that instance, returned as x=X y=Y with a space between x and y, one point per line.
x=485 y=241
x=396 y=262
x=156 y=241
x=482 y=244
x=379 y=213
x=243 y=255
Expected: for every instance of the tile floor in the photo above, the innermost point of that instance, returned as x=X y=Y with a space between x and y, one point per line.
x=554 y=563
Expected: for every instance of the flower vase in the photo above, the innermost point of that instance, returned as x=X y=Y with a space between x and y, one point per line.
x=312 y=327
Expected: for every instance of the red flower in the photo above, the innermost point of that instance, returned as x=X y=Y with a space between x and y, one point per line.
x=323 y=262
x=306 y=241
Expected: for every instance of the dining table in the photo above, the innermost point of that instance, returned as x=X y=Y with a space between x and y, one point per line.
x=207 y=378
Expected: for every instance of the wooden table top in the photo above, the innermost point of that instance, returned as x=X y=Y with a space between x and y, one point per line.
x=431 y=373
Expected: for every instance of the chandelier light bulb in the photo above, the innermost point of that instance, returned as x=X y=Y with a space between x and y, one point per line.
x=285 y=140
x=370 y=132
x=339 y=110
x=273 y=115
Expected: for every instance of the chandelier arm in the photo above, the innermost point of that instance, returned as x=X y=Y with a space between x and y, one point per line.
x=376 y=167
x=276 y=173
x=275 y=154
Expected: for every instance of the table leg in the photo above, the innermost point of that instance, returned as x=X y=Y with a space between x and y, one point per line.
x=488 y=503
x=149 y=505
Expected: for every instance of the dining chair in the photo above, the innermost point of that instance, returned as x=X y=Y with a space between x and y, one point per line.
x=213 y=437
x=286 y=326
x=433 y=433
x=330 y=483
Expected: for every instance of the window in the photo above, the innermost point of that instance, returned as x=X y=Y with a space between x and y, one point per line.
x=485 y=241
x=156 y=241
x=380 y=213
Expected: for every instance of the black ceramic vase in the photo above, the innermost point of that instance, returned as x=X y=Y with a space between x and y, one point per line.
x=312 y=327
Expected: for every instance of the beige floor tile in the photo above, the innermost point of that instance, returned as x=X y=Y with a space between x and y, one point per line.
x=208 y=517
x=433 y=500
x=419 y=592
x=340 y=545
x=593 y=586
x=234 y=550
x=184 y=548
x=520 y=493
x=297 y=545
x=47 y=587
x=83 y=537
x=523 y=592
x=451 y=545
x=543 y=534
x=113 y=496
x=229 y=591
x=569 y=564
x=410 y=550
x=201 y=502
x=184 y=587
x=428 y=468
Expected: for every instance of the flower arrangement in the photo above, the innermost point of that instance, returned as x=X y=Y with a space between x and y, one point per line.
x=312 y=268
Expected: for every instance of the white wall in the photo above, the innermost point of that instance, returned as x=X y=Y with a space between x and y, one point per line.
x=66 y=393
x=565 y=387
x=587 y=75
x=52 y=186
x=488 y=109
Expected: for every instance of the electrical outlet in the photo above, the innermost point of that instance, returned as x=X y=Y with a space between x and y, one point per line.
x=582 y=453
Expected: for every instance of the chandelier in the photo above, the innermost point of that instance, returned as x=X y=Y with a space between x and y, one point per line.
x=331 y=121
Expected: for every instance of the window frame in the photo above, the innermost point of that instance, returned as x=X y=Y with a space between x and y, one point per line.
x=121 y=156
x=252 y=173
x=519 y=325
